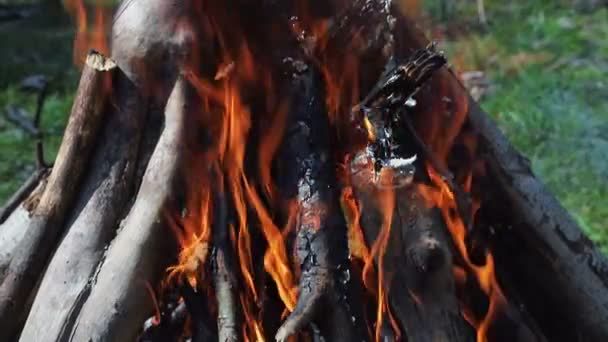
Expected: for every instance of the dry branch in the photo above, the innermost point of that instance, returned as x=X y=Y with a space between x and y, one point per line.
x=48 y=217
x=118 y=303
x=101 y=203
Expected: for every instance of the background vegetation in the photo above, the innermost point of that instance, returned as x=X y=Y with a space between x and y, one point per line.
x=544 y=65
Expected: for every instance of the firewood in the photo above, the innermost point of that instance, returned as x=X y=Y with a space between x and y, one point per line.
x=48 y=217
x=197 y=306
x=224 y=274
x=105 y=192
x=311 y=180
x=411 y=247
x=117 y=304
x=13 y=229
x=566 y=270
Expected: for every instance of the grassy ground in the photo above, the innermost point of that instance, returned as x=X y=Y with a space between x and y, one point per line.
x=548 y=64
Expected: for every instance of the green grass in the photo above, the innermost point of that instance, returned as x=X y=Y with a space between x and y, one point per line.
x=548 y=64
x=549 y=67
x=39 y=45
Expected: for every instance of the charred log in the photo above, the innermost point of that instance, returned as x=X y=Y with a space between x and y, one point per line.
x=311 y=180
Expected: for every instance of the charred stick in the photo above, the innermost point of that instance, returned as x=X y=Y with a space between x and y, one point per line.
x=310 y=178
x=197 y=306
x=49 y=215
x=168 y=328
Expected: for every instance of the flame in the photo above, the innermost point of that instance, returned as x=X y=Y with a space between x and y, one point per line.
x=227 y=115
x=356 y=240
x=88 y=38
x=443 y=198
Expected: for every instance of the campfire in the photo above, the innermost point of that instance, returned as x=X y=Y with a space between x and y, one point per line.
x=291 y=171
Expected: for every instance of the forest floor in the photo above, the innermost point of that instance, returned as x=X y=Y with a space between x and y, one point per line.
x=545 y=64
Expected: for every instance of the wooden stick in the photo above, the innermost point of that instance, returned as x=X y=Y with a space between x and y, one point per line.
x=100 y=205
x=47 y=222
x=118 y=303
x=313 y=184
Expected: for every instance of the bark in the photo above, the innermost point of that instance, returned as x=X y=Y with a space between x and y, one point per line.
x=49 y=215
x=117 y=304
x=558 y=263
x=101 y=203
x=310 y=179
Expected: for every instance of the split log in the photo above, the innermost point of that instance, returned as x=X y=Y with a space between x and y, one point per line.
x=48 y=217
x=310 y=179
x=101 y=204
x=556 y=265
x=117 y=304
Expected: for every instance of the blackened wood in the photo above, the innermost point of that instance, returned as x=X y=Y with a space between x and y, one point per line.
x=49 y=215
x=564 y=268
x=417 y=264
x=308 y=177
x=104 y=195
x=198 y=308
x=170 y=327
x=118 y=303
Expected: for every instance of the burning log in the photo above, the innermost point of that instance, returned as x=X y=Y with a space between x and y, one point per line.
x=117 y=303
x=100 y=205
x=409 y=244
x=46 y=224
x=318 y=223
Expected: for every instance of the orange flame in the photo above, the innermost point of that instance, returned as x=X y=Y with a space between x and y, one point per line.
x=86 y=40
x=443 y=198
